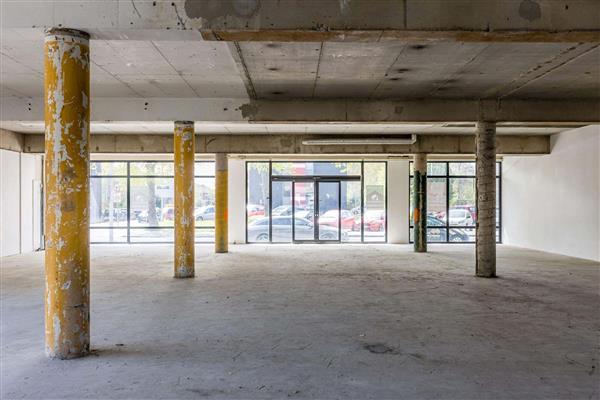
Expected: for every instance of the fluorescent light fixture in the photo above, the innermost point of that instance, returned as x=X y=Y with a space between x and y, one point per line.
x=360 y=141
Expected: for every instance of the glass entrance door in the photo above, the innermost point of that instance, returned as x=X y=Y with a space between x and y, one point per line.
x=328 y=215
x=303 y=218
x=316 y=211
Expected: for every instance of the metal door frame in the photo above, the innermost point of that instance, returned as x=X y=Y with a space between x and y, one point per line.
x=316 y=210
x=316 y=180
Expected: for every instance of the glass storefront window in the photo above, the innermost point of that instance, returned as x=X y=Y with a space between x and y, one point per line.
x=108 y=168
x=257 y=191
x=204 y=210
x=451 y=201
x=133 y=201
x=316 y=201
x=204 y=168
x=375 y=192
x=152 y=202
x=152 y=168
x=322 y=168
x=108 y=202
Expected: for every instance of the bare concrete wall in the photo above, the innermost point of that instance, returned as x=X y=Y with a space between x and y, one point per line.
x=20 y=212
x=398 y=201
x=237 y=201
x=551 y=203
x=30 y=187
x=9 y=203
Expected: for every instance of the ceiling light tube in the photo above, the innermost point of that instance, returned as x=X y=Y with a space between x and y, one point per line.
x=360 y=142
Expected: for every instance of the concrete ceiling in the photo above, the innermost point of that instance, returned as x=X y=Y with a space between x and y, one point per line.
x=144 y=127
x=434 y=70
x=411 y=66
x=280 y=70
x=122 y=68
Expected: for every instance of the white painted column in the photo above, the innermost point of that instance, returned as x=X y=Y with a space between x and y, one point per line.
x=237 y=201
x=398 y=201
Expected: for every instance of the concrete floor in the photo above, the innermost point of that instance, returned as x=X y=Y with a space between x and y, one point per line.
x=310 y=321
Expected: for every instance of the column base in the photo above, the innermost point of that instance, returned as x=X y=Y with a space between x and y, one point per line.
x=183 y=273
x=481 y=275
x=68 y=356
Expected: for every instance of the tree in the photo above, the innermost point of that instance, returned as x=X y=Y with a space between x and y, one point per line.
x=152 y=217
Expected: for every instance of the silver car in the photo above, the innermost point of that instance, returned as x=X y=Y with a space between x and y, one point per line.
x=258 y=230
x=206 y=213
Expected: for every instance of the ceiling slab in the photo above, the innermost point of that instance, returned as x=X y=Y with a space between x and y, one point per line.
x=577 y=78
x=281 y=70
x=128 y=68
x=314 y=20
x=403 y=71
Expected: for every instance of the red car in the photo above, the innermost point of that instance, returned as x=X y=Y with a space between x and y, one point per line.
x=330 y=218
x=255 y=210
x=374 y=221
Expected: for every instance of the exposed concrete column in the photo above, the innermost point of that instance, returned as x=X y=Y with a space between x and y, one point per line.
x=184 y=199
x=420 y=202
x=485 y=247
x=67 y=256
x=221 y=214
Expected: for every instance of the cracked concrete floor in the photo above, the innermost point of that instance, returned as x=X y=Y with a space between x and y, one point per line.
x=310 y=321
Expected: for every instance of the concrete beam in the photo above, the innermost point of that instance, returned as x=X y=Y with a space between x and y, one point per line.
x=314 y=20
x=292 y=144
x=333 y=110
x=11 y=140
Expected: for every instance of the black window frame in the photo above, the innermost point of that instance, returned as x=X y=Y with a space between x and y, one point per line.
x=128 y=176
x=447 y=176
x=360 y=177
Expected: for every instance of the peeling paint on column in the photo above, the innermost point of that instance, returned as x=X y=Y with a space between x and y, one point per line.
x=221 y=213
x=184 y=199
x=485 y=239
x=67 y=137
x=420 y=203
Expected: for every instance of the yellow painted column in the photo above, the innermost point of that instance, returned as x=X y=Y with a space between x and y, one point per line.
x=184 y=199
x=67 y=187
x=221 y=214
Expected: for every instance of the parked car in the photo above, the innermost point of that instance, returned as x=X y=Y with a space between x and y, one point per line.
x=374 y=221
x=460 y=217
x=471 y=209
x=206 y=213
x=255 y=210
x=282 y=211
x=142 y=216
x=306 y=214
x=258 y=230
x=330 y=218
x=118 y=214
x=441 y=234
